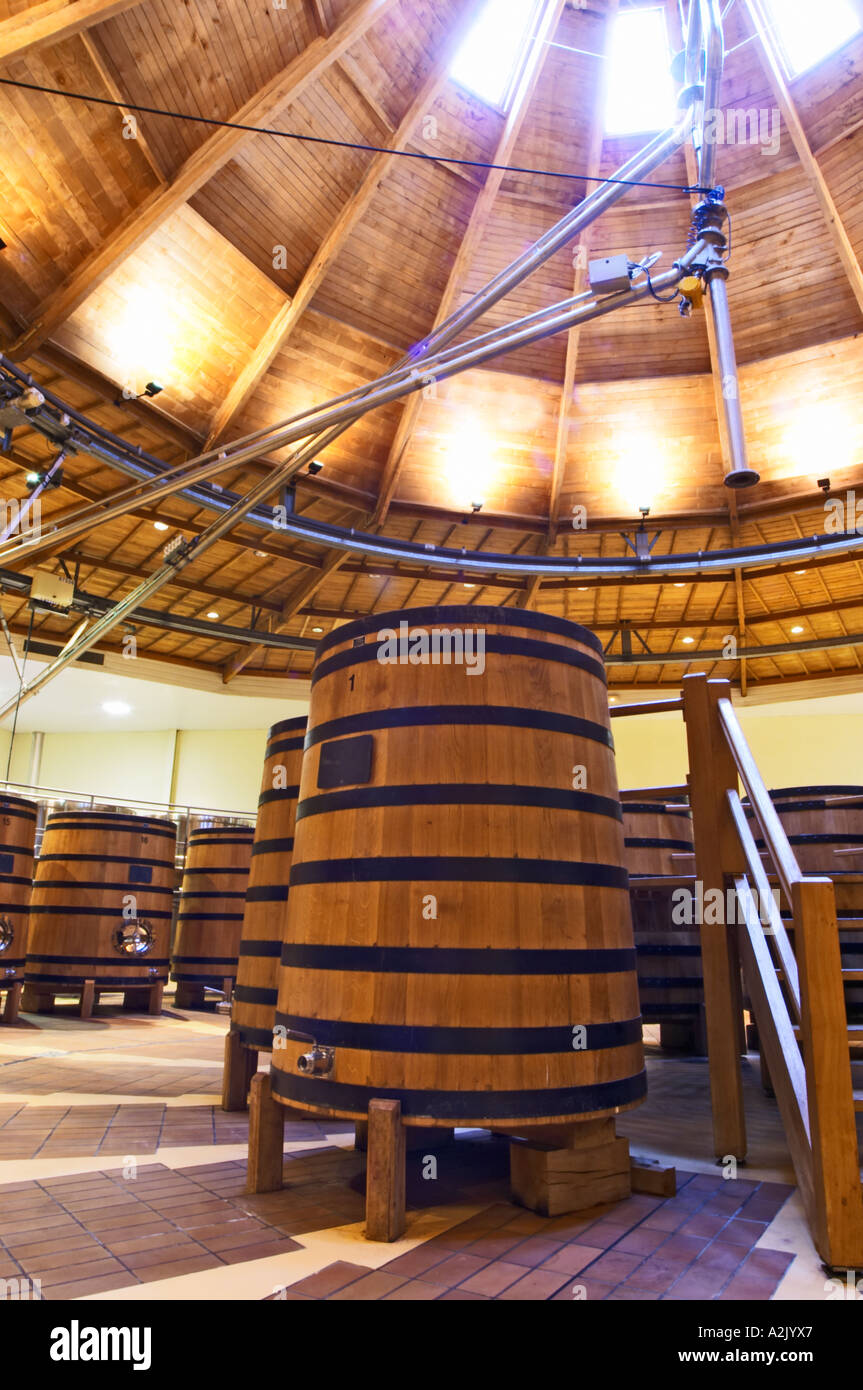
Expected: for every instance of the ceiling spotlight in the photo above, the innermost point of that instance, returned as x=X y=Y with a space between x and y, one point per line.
x=824 y=484
x=796 y=631
x=314 y=467
x=160 y=525
x=645 y=510
x=153 y=388
x=116 y=707
x=688 y=641
x=32 y=479
x=476 y=506
x=212 y=614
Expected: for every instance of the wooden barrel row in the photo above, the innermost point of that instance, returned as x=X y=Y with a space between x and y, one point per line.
x=17 y=837
x=458 y=931
x=824 y=825
x=210 y=915
x=101 y=903
x=254 y=1005
x=659 y=845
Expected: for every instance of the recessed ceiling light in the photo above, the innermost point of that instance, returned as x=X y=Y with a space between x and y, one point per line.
x=212 y=613
x=799 y=571
x=261 y=554
x=160 y=525
x=317 y=629
x=612 y=699
x=796 y=630
x=116 y=707
x=582 y=588
x=679 y=584
x=688 y=641
x=470 y=586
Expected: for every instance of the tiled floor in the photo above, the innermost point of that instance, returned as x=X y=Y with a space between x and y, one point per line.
x=697 y=1245
x=120 y=1176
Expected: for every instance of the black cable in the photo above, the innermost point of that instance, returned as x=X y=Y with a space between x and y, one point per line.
x=662 y=298
x=341 y=144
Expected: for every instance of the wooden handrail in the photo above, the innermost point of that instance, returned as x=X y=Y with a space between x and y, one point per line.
x=787 y=959
x=649 y=707
x=772 y=829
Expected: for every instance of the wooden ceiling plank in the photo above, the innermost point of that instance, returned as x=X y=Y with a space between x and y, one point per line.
x=772 y=64
x=262 y=109
x=54 y=20
x=285 y=320
x=472 y=239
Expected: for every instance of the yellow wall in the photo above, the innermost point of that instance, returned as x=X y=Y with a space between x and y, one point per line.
x=135 y=766
x=220 y=770
x=791 y=750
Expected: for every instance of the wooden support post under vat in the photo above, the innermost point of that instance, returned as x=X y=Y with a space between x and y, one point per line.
x=88 y=998
x=718 y=856
x=580 y=1166
x=266 y=1137
x=241 y=1063
x=13 y=1002
x=385 y=1171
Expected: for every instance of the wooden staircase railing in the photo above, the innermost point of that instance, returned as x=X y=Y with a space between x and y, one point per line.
x=796 y=993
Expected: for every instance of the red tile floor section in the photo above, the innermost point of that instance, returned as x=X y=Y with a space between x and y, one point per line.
x=93 y=1232
x=696 y=1245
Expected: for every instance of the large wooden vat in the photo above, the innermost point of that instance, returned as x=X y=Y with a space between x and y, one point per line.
x=17 y=836
x=659 y=856
x=458 y=927
x=210 y=916
x=101 y=905
x=254 y=1007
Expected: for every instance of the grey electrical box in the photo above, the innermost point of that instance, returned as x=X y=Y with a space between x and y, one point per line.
x=609 y=275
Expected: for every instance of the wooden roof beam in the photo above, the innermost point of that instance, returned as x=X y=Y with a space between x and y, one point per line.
x=772 y=64
x=291 y=606
x=474 y=234
x=286 y=319
x=580 y=262
x=54 y=20
x=260 y=110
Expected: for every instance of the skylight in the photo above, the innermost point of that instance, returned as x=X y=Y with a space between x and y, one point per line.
x=641 y=94
x=806 y=32
x=490 y=60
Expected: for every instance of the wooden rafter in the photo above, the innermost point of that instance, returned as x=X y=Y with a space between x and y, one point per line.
x=260 y=110
x=54 y=20
x=285 y=320
x=474 y=234
x=291 y=605
x=573 y=337
x=836 y=232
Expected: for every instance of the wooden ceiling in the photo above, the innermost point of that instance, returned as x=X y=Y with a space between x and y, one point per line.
x=256 y=276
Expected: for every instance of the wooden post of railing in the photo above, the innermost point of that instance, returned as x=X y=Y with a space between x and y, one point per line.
x=838 y=1201
x=717 y=855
